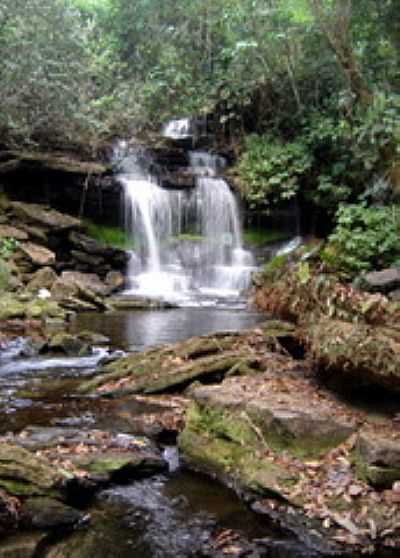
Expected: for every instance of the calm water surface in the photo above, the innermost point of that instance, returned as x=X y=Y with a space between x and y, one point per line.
x=137 y=330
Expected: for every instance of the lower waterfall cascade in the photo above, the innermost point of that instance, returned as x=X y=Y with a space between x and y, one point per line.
x=186 y=244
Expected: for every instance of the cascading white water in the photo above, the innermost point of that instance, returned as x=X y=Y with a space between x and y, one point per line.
x=178 y=129
x=187 y=244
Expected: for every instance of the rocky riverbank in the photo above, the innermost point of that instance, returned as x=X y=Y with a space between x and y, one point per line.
x=260 y=420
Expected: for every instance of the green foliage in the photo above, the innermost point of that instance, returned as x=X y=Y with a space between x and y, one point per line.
x=262 y=237
x=7 y=247
x=270 y=171
x=275 y=267
x=365 y=238
x=114 y=236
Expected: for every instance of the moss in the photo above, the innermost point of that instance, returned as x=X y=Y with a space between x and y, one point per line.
x=220 y=423
x=273 y=270
x=108 y=465
x=20 y=488
x=261 y=237
x=225 y=444
x=175 y=367
x=190 y=237
x=376 y=476
x=113 y=236
x=11 y=308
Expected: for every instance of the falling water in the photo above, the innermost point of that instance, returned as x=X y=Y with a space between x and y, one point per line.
x=178 y=129
x=187 y=245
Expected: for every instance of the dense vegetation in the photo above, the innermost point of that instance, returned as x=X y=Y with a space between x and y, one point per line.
x=305 y=91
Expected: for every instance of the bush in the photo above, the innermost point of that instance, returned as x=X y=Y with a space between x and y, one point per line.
x=365 y=238
x=270 y=170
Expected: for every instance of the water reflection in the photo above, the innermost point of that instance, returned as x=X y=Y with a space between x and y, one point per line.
x=137 y=330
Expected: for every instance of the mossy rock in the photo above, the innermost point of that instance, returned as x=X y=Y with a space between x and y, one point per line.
x=41 y=309
x=11 y=307
x=174 y=367
x=377 y=458
x=68 y=344
x=24 y=474
x=225 y=446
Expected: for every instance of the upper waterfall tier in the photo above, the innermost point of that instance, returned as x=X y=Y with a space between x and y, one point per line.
x=187 y=244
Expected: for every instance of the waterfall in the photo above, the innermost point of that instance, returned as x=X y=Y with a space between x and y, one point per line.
x=186 y=244
x=178 y=129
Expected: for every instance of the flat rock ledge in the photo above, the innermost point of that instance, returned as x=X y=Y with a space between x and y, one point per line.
x=46 y=473
x=303 y=458
x=173 y=368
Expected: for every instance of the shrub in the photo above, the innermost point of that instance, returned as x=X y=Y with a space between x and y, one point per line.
x=365 y=238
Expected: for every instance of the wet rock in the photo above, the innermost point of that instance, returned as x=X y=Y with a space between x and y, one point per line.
x=45 y=217
x=68 y=344
x=115 y=281
x=377 y=457
x=38 y=255
x=95 y=455
x=74 y=304
x=121 y=302
x=47 y=513
x=93 y=338
x=382 y=281
x=43 y=279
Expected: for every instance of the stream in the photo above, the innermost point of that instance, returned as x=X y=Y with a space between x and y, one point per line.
x=180 y=514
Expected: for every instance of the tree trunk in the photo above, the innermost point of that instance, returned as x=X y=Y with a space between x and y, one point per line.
x=336 y=27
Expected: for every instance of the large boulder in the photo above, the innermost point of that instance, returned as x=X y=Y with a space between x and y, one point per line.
x=282 y=440
x=80 y=291
x=84 y=281
x=45 y=217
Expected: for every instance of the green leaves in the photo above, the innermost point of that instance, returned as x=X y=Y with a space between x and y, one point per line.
x=270 y=171
x=365 y=238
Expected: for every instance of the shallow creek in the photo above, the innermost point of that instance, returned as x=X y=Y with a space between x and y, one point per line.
x=176 y=515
